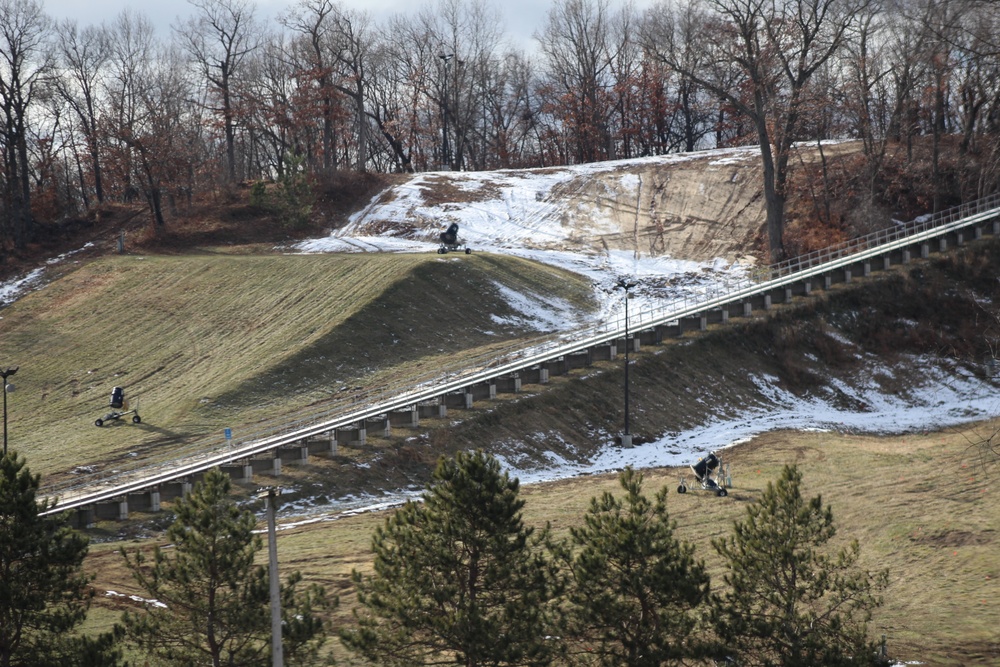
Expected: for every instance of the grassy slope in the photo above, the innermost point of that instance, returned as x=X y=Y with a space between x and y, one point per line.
x=919 y=505
x=209 y=341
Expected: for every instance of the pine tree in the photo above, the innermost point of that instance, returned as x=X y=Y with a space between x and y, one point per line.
x=635 y=589
x=44 y=594
x=790 y=603
x=212 y=603
x=457 y=577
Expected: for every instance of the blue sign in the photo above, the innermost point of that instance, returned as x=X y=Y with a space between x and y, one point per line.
x=229 y=434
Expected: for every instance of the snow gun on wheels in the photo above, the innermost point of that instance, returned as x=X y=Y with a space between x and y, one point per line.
x=705 y=472
x=450 y=241
x=119 y=408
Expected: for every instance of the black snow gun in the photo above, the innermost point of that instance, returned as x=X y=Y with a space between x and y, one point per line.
x=450 y=241
x=705 y=473
x=119 y=408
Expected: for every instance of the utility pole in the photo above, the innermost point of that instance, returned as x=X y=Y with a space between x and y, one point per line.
x=277 y=653
x=445 y=150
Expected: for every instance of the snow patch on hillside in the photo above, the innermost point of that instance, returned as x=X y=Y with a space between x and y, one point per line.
x=516 y=213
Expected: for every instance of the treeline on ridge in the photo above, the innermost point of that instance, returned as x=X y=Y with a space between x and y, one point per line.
x=121 y=112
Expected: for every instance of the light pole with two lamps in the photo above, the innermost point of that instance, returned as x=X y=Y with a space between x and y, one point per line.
x=7 y=388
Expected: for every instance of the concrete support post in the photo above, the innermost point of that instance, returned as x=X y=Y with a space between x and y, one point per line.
x=978 y=233
x=942 y=244
x=276 y=465
x=767 y=302
x=154 y=500
x=906 y=256
x=996 y=228
x=85 y=517
x=333 y=442
x=185 y=489
x=612 y=351
x=847 y=276
x=925 y=250
x=725 y=315
x=303 y=454
x=543 y=375
x=886 y=262
x=468 y=398
x=788 y=294
x=827 y=281
x=747 y=309
x=867 y=270
x=123 y=509
x=703 y=322
x=960 y=238
x=247 y=473
x=634 y=343
x=807 y=286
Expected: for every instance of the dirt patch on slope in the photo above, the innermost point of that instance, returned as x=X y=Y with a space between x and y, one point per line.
x=695 y=210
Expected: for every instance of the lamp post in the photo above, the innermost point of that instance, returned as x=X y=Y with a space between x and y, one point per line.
x=7 y=388
x=627 y=435
x=445 y=151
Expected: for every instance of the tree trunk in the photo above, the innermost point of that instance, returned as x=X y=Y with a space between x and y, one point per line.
x=362 y=163
x=227 y=110
x=329 y=143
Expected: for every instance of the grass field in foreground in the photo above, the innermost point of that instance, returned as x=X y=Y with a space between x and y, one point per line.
x=921 y=505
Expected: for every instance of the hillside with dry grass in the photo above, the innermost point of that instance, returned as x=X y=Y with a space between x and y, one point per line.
x=210 y=323
x=209 y=341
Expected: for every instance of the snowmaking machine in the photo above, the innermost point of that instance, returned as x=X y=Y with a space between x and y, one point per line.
x=706 y=472
x=450 y=241
x=120 y=407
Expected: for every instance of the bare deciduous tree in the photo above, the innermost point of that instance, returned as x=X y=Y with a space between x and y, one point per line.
x=132 y=47
x=334 y=45
x=759 y=56
x=25 y=68
x=84 y=54
x=579 y=46
x=219 y=38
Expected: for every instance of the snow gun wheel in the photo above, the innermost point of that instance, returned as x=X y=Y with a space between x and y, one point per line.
x=136 y=419
x=682 y=489
x=722 y=493
x=99 y=423
x=442 y=251
x=468 y=251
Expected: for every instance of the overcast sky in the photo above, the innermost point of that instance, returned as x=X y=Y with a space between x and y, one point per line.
x=523 y=17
